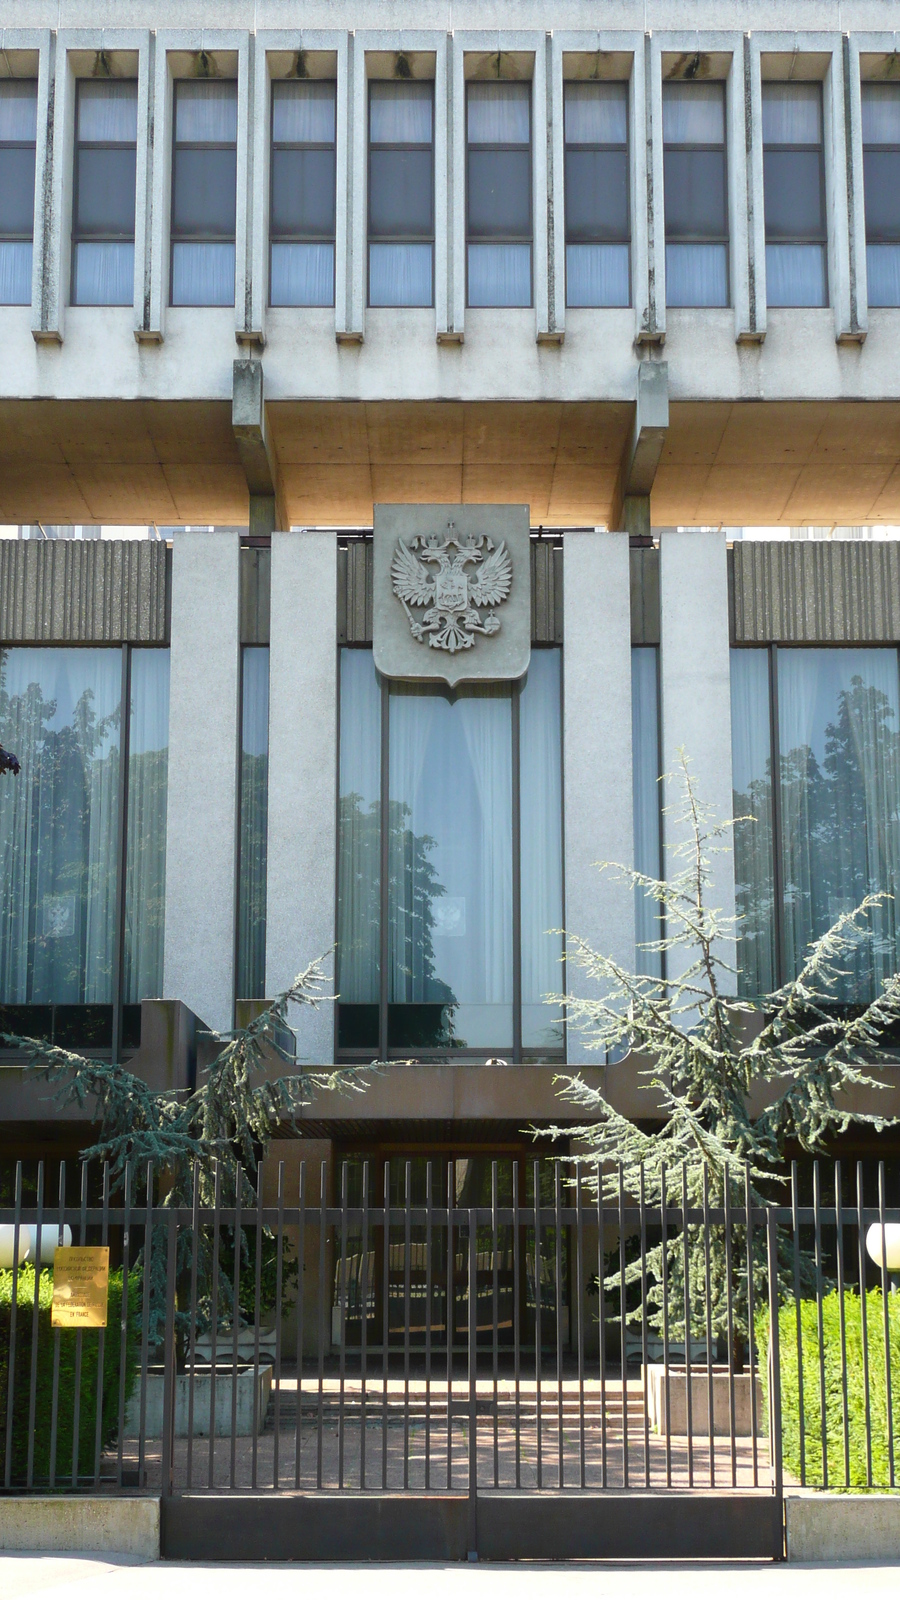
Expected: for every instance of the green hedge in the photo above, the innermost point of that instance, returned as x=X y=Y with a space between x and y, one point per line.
x=90 y=1342
x=834 y=1399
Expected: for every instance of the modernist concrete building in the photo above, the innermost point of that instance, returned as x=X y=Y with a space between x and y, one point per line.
x=267 y=266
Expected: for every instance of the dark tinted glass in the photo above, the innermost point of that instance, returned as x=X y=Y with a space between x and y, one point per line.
x=695 y=194
x=795 y=204
x=881 y=170
x=16 y=191
x=203 y=199
x=596 y=194
x=499 y=194
x=303 y=193
x=104 y=192
x=400 y=193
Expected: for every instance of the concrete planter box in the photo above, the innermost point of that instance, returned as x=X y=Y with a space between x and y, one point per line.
x=656 y=1402
x=203 y=1382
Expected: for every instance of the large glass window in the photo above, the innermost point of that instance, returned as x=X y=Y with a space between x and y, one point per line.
x=445 y=926
x=794 y=184
x=251 y=951
x=696 y=194
x=104 y=193
x=302 y=200
x=401 y=194
x=18 y=128
x=63 y=917
x=827 y=832
x=598 y=225
x=881 y=174
x=498 y=194
x=204 y=187
x=646 y=800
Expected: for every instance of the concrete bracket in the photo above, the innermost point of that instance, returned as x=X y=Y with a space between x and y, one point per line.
x=648 y=435
x=248 y=420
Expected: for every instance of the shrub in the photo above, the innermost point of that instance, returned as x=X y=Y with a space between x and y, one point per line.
x=90 y=1344
x=834 y=1393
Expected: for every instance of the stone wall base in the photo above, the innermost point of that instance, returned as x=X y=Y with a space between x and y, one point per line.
x=120 y=1524
x=842 y=1527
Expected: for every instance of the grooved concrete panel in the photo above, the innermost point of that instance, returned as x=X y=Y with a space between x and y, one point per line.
x=73 y=591
x=831 y=592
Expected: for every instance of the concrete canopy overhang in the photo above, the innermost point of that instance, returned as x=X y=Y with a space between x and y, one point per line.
x=178 y=461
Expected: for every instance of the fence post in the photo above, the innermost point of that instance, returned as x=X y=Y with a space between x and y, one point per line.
x=774 y=1355
x=473 y=1386
x=167 y=1464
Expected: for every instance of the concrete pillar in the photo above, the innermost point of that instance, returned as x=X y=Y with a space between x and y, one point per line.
x=599 y=823
x=302 y=854
x=696 y=696
x=201 y=831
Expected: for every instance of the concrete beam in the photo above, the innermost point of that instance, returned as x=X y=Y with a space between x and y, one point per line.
x=644 y=448
x=257 y=456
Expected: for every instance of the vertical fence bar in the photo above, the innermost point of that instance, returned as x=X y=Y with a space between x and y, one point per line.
x=495 y=1319
x=451 y=1316
x=643 y=1238
x=557 y=1261
x=13 y=1318
x=801 y=1410
x=279 y=1280
x=842 y=1316
x=35 y=1330
x=774 y=1354
x=537 y=1321
x=664 y=1259
x=124 y=1315
x=323 y=1242
x=54 y=1399
x=101 y=1334
x=301 y=1296
x=472 y=1541
x=407 y=1309
x=386 y=1324
x=145 y=1324
x=517 y=1323
x=167 y=1465
x=342 y=1314
x=820 y=1328
x=885 y=1306
x=688 y=1365
x=729 y=1317
x=623 y=1327
x=214 y=1324
x=79 y=1338
x=429 y=1295
x=257 y=1288
x=863 y=1314
x=601 y=1314
x=751 y=1333
x=236 y=1314
x=192 y=1350
x=579 y=1324
x=709 y=1338
x=364 y=1326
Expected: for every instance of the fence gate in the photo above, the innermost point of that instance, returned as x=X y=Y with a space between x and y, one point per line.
x=455 y=1374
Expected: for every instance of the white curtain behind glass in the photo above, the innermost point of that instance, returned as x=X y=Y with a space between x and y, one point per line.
x=59 y=712
x=145 y=853
x=359 y=830
x=540 y=831
x=839 y=738
x=752 y=787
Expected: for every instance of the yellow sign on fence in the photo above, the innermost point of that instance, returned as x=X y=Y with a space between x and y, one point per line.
x=80 y=1286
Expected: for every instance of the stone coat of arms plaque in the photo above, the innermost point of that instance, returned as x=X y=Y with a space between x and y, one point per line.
x=452 y=592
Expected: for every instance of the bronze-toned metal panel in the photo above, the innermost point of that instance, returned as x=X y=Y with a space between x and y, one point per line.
x=73 y=591
x=354 y=591
x=546 y=591
x=644 y=594
x=815 y=592
x=256 y=589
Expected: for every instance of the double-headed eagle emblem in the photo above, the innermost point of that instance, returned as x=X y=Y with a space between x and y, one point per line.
x=458 y=600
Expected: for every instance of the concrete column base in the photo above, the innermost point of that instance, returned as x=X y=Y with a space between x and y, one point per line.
x=842 y=1527
x=120 y=1524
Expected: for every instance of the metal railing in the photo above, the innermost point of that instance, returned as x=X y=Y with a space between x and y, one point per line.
x=368 y=1332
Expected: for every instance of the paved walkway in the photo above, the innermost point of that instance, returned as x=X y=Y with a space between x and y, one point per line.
x=98 y=1578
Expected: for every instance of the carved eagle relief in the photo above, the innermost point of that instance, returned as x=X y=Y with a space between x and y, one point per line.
x=458 y=590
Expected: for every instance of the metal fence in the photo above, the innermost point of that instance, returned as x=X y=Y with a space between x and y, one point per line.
x=369 y=1333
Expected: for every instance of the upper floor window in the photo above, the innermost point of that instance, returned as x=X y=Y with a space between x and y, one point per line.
x=794 y=180
x=204 y=183
x=18 y=129
x=881 y=172
x=498 y=194
x=401 y=194
x=302 y=199
x=598 y=226
x=696 y=194
x=104 y=192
